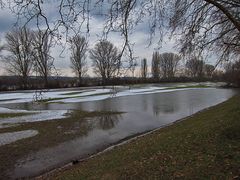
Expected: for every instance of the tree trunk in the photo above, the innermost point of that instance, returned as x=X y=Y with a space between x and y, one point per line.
x=24 y=82
x=79 y=80
x=45 y=81
x=104 y=80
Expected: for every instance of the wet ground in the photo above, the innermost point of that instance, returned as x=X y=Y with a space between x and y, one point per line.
x=76 y=123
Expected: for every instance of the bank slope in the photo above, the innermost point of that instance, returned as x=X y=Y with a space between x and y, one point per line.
x=206 y=145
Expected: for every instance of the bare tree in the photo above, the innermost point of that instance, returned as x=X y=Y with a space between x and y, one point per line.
x=195 y=67
x=208 y=70
x=168 y=64
x=232 y=73
x=155 y=65
x=144 y=67
x=1 y=47
x=106 y=60
x=207 y=25
x=78 y=47
x=74 y=17
x=20 y=58
x=132 y=67
x=43 y=61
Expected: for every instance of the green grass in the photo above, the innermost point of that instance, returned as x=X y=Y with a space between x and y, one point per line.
x=204 y=146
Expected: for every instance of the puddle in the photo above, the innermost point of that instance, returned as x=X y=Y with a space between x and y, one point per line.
x=39 y=116
x=143 y=113
x=7 y=138
x=91 y=94
x=71 y=139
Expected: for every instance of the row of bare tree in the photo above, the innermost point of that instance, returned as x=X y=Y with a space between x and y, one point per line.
x=29 y=51
x=232 y=73
x=201 y=26
x=166 y=65
x=106 y=60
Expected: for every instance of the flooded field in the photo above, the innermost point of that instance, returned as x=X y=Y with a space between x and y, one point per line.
x=67 y=125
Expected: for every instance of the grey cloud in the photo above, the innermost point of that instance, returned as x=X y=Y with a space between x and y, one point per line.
x=140 y=36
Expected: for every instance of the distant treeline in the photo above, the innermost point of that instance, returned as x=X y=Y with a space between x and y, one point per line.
x=10 y=83
x=29 y=52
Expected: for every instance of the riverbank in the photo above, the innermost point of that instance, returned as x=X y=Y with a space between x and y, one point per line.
x=206 y=145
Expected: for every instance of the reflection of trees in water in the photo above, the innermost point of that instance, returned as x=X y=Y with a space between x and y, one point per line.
x=79 y=127
x=29 y=106
x=106 y=105
x=165 y=103
x=145 y=104
x=107 y=121
x=22 y=106
x=168 y=108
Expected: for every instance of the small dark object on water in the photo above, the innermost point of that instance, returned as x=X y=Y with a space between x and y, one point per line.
x=75 y=162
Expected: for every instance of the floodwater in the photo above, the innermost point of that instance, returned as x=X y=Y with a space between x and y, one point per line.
x=140 y=113
x=7 y=138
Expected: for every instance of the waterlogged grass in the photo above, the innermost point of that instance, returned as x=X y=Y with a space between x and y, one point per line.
x=12 y=115
x=153 y=90
x=98 y=94
x=204 y=146
x=3 y=100
x=77 y=92
x=68 y=95
x=172 y=88
x=49 y=100
x=51 y=133
x=185 y=87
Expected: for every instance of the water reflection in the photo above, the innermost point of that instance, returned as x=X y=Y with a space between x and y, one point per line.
x=7 y=138
x=59 y=141
x=142 y=113
x=99 y=133
x=164 y=105
x=158 y=104
x=106 y=121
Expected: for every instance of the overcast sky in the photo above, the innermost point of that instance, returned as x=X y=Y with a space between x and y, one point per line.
x=140 y=38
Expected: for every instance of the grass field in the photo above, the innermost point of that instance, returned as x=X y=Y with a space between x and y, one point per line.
x=204 y=146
